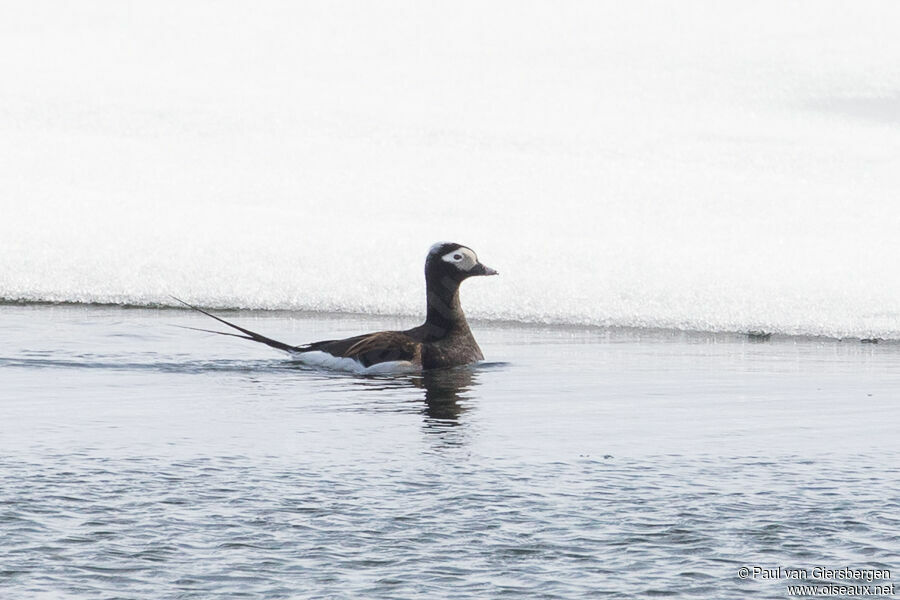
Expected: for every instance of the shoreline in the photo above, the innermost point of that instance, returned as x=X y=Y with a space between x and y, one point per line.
x=760 y=335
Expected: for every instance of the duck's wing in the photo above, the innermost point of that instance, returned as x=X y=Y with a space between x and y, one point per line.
x=372 y=348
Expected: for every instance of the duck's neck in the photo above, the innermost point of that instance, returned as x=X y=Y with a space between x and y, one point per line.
x=444 y=315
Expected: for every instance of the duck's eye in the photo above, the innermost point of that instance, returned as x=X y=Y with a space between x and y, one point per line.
x=457 y=257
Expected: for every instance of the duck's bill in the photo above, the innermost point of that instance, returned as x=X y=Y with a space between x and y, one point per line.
x=480 y=269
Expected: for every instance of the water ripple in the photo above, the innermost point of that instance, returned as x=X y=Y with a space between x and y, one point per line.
x=226 y=525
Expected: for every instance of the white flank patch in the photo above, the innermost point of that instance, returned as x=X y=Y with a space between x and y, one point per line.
x=323 y=360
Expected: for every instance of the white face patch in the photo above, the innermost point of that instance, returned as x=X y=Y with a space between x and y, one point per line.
x=462 y=258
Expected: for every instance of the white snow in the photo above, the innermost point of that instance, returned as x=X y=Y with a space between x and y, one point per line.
x=699 y=164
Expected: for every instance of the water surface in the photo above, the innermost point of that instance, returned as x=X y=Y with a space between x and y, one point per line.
x=141 y=460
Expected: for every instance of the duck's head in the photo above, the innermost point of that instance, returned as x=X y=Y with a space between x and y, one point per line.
x=454 y=261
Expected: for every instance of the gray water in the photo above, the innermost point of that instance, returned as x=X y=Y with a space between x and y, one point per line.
x=140 y=460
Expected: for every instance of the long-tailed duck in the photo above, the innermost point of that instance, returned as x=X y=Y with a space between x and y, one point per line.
x=443 y=340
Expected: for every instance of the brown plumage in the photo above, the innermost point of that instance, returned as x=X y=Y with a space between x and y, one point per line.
x=372 y=348
x=443 y=340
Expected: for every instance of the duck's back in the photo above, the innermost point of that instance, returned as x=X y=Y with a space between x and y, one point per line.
x=371 y=348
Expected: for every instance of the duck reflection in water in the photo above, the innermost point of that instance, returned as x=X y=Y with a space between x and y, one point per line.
x=440 y=395
x=445 y=389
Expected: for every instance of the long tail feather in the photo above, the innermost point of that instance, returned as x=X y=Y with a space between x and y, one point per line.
x=237 y=335
x=248 y=335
